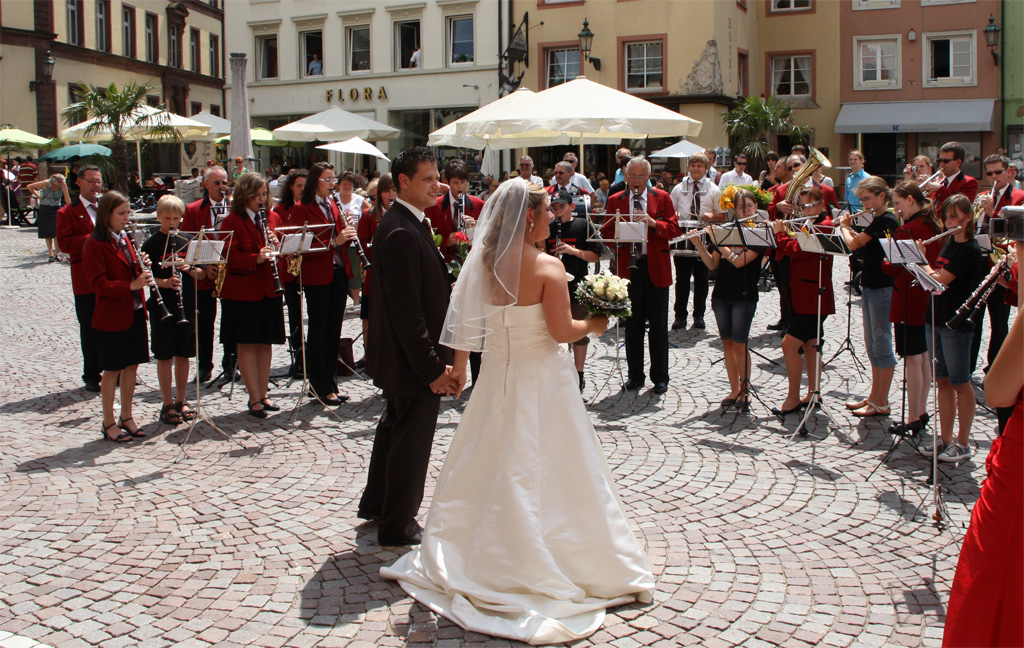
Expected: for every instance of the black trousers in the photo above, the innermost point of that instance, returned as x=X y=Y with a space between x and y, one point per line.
x=293 y=300
x=85 y=306
x=999 y=318
x=325 y=310
x=474 y=365
x=685 y=268
x=399 y=461
x=650 y=304
x=205 y=324
x=780 y=268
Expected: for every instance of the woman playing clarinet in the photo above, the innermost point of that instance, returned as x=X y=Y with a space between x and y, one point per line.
x=910 y=301
x=253 y=314
x=810 y=283
x=324 y=278
x=291 y=194
x=876 y=292
x=117 y=276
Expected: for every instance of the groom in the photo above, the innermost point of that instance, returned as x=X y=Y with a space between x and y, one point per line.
x=411 y=287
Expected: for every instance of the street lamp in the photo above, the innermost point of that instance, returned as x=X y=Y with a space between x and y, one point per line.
x=586 y=41
x=992 y=37
x=47 y=72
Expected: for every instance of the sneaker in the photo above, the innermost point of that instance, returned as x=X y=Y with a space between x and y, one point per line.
x=925 y=449
x=955 y=453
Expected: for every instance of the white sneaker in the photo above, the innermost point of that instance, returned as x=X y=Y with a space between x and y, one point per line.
x=925 y=449
x=955 y=453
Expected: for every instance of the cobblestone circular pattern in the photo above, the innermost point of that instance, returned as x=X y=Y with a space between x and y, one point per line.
x=250 y=537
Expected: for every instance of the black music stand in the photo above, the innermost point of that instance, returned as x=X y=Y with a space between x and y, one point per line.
x=862 y=221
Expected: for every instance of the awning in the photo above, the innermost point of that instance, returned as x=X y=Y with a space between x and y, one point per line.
x=917 y=116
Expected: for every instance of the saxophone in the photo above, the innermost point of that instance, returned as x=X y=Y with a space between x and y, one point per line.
x=218 y=283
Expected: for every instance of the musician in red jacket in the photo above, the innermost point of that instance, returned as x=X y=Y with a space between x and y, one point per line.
x=291 y=194
x=953 y=181
x=650 y=281
x=910 y=301
x=206 y=214
x=116 y=276
x=75 y=222
x=253 y=317
x=810 y=287
x=453 y=207
x=324 y=281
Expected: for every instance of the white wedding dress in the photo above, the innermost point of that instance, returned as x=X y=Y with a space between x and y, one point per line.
x=526 y=537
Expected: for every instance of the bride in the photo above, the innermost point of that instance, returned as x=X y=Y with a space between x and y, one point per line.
x=526 y=537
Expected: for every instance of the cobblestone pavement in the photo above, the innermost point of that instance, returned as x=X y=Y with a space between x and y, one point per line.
x=252 y=539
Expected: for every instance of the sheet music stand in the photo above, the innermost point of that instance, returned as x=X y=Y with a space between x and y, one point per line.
x=757 y=237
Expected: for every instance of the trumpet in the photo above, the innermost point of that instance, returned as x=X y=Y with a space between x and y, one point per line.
x=970 y=309
x=142 y=265
x=931 y=178
x=978 y=208
x=267 y=236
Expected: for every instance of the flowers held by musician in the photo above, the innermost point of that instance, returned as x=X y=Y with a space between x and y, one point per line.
x=605 y=294
x=727 y=200
x=459 y=253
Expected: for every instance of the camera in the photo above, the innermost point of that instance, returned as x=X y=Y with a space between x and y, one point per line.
x=1009 y=225
x=914 y=168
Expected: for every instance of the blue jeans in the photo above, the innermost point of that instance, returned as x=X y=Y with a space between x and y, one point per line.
x=874 y=307
x=952 y=352
x=734 y=318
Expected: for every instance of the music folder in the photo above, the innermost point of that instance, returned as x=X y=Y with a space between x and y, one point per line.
x=760 y=236
x=902 y=252
x=821 y=243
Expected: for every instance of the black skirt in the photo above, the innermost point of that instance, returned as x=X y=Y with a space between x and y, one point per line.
x=123 y=349
x=46 y=221
x=910 y=339
x=258 y=322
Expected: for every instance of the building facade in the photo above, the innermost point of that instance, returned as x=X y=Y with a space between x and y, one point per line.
x=915 y=74
x=1011 y=67
x=416 y=66
x=175 y=48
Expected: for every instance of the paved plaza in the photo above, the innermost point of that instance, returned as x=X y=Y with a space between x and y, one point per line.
x=251 y=539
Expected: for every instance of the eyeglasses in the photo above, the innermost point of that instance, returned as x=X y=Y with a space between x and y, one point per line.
x=794 y=167
x=525 y=164
x=95 y=182
x=637 y=177
x=809 y=205
x=992 y=173
x=946 y=160
x=738 y=163
x=329 y=180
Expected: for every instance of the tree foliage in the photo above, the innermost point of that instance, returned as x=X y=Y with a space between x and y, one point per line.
x=755 y=119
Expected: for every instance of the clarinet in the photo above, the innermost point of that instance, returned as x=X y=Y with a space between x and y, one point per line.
x=558 y=238
x=177 y=273
x=365 y=260
x=154 y=292
x=634 y=261
x=278 y=286
x=975 y=303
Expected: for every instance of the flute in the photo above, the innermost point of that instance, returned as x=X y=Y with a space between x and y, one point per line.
x=941 y=236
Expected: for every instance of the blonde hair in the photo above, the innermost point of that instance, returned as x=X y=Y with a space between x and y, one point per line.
x=170 y=203
x=873 y=185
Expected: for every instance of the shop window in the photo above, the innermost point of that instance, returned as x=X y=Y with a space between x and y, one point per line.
x=358 y=49
x=949 y=59
x=312 y=43
x=460 y=40
x=266 y=57
x=644 y=66
x=563 y=64
x=877 y=62
x=407 y=45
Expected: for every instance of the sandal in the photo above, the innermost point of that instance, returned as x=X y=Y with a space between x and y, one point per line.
x=856 y=405
x=871 y=410
x=270 y=407
x=258 y=413
x=170 y=415
x=186 y=414
x=120 y=438
x=137 y=433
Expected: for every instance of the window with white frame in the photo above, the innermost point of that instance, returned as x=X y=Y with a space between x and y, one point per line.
x=644 y=66
x=407 y=45
x=266 y=57
x=214 y=55
x=128 y=31
x=358 y=49
x=790 y=5
x=791 y=76
x=875 y=4
x=949 y=59
x=562 y=65
x=195 y=59
x=75 y=21
x=152 y=38
x=312 y=43
x=103 y=25
x=943 y=2
x=460 y=40
x=877 y=63
x=174 y=45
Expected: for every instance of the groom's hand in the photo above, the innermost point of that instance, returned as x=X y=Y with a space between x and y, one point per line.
x=443 y=384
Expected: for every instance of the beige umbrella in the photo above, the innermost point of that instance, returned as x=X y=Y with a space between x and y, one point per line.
x=332 y=125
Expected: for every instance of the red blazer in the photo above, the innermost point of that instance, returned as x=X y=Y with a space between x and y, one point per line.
x=365 y=230
x=197 y=216
x=441 y=218
x=281 y=216
x=779 y=194
x=916 y=298
x=247 y=280
x=804 y=274
x=110 y=275
x=659 y=262
x=962 y=184
x=1011 y=198
x=318 y=267
x=73 y=229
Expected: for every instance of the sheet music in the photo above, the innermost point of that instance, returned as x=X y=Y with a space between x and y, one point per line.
x=985 y=241
x=630 y=232
x=211 y=251
x=296 y=243
x=864 y=219
x=902 y=251
x=926 y=280
x=809 y=242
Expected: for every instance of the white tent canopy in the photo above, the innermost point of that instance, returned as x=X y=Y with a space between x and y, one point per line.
x=681 y=149
x=146 y=119
x=332 y=125
x=354 y=145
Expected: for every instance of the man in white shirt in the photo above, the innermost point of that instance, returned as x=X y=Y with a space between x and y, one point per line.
x=712 y=172
x=526 y=171
x=738 y=175
x=695 y=199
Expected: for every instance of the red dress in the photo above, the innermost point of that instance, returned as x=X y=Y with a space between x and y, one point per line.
x=986 y=603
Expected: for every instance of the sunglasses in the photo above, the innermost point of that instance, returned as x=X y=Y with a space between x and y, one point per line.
x=794 y=167
x=946 y=160
x=992 y=173
x=741 y=163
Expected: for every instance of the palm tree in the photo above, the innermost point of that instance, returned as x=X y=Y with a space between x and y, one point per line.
x=755 y=119
x=119 y=113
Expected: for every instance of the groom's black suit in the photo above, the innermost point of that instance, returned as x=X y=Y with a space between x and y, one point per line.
x=411 y=288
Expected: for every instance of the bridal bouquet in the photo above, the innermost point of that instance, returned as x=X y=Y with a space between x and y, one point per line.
x=605 y=294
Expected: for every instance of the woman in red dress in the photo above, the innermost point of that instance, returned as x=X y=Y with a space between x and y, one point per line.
x=117 y=277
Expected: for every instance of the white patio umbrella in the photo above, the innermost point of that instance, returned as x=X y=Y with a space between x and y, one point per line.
x=354 y=145
x=681 y=149
x=332 y=125
x=218 y=125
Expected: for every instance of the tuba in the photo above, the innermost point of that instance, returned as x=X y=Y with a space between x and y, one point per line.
x=815 y=160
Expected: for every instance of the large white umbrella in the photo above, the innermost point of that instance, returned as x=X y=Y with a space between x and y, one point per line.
x=332 y=125
x=354 y=145
x=681 y=149
x=218 y=125
x=145 y=119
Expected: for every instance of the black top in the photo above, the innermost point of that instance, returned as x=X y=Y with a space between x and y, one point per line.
x=154 y=248
x=966 y=262
x=574 y=233
x=873 y=255
x=737 y=284
x=768 y=183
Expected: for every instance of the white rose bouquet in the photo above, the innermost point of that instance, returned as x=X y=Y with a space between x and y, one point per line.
x=605 y=294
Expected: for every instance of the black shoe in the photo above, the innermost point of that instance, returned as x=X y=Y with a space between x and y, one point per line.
x=632 y=384
x=205 y=375
x=369 y=517
x=782 y=413
x=583 y=383
x=679 y=323
x=698 y=323
x=660 y=388
x=92 y=386
x=728 y=402
x=258 y=413
x=333 y=401
x=743 y=405
x=270 y=407
x=778 y=326
x=401 y=540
